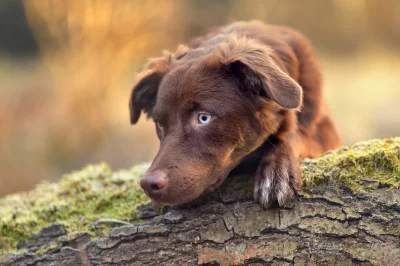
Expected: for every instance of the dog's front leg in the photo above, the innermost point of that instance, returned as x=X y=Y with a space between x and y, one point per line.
x=278 y=177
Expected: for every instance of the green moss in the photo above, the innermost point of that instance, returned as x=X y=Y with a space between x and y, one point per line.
x=78 y=200
x=365 y=165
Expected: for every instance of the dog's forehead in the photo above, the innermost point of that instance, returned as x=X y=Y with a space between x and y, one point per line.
x=188 y=82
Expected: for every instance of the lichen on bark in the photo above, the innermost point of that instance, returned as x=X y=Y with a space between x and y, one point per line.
x=350 y=198
x=366 y=164
x=75 y=203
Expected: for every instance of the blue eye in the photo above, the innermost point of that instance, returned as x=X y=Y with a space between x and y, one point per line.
x=204 y=118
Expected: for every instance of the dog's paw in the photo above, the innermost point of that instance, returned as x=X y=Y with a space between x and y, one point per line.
x=277 y=183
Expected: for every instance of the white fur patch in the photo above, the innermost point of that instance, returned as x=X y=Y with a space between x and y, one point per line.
x=273 y=181
x=263 y=188
x=268 y=183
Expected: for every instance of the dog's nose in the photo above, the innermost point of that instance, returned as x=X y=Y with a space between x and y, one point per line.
x=153 y=184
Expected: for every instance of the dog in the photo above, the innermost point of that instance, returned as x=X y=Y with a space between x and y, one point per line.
x=245 y=91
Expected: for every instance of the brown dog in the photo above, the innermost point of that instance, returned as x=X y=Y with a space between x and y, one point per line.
x=246 y=90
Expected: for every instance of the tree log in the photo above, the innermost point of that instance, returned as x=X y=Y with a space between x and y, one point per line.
x=348 y=213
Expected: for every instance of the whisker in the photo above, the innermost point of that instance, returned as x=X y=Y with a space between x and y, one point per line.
x=271 y=143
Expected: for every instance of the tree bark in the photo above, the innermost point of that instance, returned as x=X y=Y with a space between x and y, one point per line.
x=328 y=224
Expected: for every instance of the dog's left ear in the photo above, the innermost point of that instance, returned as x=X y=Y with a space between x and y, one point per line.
x=253 y=65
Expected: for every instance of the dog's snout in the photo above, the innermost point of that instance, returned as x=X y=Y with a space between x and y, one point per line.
x=153 y=184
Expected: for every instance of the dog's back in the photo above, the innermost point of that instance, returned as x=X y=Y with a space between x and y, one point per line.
x=295 y=56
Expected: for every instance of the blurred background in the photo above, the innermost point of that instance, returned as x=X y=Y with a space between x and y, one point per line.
x=67 y=68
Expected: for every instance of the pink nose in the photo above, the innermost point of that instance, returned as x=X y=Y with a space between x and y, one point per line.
x=153 y=184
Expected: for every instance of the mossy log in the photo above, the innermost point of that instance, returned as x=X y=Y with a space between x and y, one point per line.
x=348 y=213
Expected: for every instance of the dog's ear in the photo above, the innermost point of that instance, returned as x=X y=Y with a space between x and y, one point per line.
x=253 y=65
x=144 y=92
x=144 y=95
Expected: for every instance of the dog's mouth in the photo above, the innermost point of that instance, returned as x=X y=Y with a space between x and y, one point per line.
x=215 y=185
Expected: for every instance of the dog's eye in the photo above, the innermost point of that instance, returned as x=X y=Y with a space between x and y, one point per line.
x=204 y=118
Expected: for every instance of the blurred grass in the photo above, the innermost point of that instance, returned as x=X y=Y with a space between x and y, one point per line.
x=363 y=93
x=68 y=106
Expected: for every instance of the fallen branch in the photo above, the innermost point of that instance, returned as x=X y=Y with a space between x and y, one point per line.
x=348 y=213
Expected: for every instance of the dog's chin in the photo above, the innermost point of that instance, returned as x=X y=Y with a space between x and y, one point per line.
x=196 y=195
x=183 y=201
x=176 y=201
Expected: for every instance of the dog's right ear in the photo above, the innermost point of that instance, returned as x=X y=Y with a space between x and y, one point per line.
x=144 y=92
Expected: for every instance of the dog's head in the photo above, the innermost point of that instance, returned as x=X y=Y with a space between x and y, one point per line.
x=212 y=107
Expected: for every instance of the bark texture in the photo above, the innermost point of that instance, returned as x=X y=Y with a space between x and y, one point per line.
x=328 y=224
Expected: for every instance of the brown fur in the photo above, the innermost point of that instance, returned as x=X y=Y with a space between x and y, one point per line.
x=262 y=87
